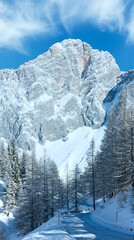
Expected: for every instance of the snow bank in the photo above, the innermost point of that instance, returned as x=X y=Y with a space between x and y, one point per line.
x=51 y=230
x=117 y=211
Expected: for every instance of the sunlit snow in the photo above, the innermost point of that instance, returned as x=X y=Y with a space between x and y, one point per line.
x=71 y=150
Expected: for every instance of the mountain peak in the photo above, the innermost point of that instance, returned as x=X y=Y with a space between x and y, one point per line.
x=56 y=93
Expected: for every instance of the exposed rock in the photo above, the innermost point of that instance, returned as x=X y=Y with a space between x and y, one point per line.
x=59 y=91
x=113 y=98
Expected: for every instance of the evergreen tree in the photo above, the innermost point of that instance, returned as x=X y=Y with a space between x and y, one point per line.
x=9 y=186
x=106 y=160
x=15 y=172
x=131 y=124
x=29 y=204
x=53 y=188
x=67 y=187
x=45 y=189
x=122 y=171
x=114 y=162
x=75 y=187
x=23 y=167
x=92 y=152
x=2 y=160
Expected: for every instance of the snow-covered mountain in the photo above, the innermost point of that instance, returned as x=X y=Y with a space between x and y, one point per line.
x=126 y=84
x=69 y=88
x=58 y=92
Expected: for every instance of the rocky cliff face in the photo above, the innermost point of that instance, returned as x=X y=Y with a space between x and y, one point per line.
x=59 y=91
x=124 y=89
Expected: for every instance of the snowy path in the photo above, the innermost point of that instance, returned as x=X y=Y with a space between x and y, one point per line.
x=82 y=227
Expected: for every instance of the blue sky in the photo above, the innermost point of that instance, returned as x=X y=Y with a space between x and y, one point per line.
x=29 y=27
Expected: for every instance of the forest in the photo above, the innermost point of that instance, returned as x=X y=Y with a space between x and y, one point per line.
x=34 y=191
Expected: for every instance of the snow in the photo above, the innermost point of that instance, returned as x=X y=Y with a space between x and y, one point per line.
x=115 y=213
x=71 y=150
x=3 y=217
x=1 y=187
x=6 y=221
x=100 y=224
x=46 y=94
x=76 y=226
x=83 y=226
x=51 y=230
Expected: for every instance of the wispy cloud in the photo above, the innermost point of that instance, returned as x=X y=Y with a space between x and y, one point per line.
x=130 y=26
x=19 y=21
x=102 y=13
x=29 y=18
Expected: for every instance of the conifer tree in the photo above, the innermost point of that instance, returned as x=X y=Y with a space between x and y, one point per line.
x=67 y=187
x=23 y=167
x=29 y=205
x=45 y=190
x=106 y=159
x=75 y=186
x=8 y=191
x=131 y=124
x=53 y=188
x=2 y=160
x=122 y=171
x=15 y=171
x=92 y=149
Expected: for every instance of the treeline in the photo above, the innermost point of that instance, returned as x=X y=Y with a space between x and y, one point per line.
x=33 y=190
x=112 y=168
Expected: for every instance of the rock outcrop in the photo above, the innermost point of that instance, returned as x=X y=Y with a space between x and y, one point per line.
x=123 y=90
x=56 y=93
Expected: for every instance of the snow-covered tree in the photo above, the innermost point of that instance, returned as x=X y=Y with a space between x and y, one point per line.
x=29 y=204
x=123 y=169
x=53 y=188
x=9 y=198
x=67 y=187
x=23 y=167
x=45 y=189
x=75 y=185
x=15 y=171
x=2 y=160
x=114 y=162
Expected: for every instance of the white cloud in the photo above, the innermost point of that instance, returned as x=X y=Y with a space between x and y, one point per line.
x=29 y=18
x=130 y=26
x=103 y=13
x=18 y=22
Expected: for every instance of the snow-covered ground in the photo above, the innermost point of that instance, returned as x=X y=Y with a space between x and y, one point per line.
x=6 y=228
x=83 y=226
x=117 y=211
x=52 y=230
x=101 y=224
x=112 y=220
x=78 y=226
x=71 y=150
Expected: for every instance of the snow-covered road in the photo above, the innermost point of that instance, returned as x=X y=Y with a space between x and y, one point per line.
x=83 y=227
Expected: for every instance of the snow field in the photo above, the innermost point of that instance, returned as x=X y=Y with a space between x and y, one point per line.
x=71 y=150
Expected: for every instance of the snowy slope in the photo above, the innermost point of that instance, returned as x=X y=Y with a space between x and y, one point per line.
x=71 y=150
x=117 y=211
x=51 y=230
x=78 y=226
